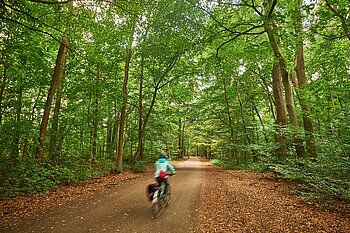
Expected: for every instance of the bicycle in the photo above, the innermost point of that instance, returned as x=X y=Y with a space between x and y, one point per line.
x=159 y=200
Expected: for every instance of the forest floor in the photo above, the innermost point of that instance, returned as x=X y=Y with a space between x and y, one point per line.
x=246 y=201
x=206 y=198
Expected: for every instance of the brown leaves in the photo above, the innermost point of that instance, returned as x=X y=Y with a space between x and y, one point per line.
x=242 y=201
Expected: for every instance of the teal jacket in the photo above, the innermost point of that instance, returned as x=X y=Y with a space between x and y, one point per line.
x=163 y=165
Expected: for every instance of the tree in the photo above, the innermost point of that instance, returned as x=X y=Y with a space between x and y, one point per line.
x=120 y=147
x=302 y=83
x=58 y=72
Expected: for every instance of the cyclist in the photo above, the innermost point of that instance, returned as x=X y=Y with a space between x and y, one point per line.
x=161 y=167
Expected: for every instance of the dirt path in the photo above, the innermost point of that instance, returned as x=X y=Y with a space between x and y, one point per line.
x=205 y=199
x=125 y=208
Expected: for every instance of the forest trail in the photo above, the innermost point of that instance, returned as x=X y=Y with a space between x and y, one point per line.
x=205 y=199
x=125 y=208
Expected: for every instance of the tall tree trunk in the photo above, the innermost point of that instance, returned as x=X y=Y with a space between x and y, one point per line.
x=182 y=140
x=93 y=141
x=270 y=28
x=110 y=136
x=301 y=85
x=17 y=130
x=243 y=119
x=58 y=71
x=116 y=127
x=140 y=150
x=2 y=88
x=55 y=132
x=298 y=142
x=179 y=139
x=120 y=150
x=233 y=151
x=280 y=111
x=260 y=119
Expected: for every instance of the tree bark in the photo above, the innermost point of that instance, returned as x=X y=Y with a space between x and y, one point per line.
x=2 y=89
x=116 y=127
x=58 y=71
x=120 y=150
x=179 y=139
x=140 y=149
x=54 y=135
x=302 y=83
x=280 y=111
x=17 y=130
x=233 y=151
x=93 y=141
x=270 y=28
x=182 y=140
x=243 y=120
x=260 y=119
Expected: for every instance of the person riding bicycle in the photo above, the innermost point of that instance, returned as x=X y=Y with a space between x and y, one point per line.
x=161 y=167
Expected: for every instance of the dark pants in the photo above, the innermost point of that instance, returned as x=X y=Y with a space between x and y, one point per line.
x=166 y=182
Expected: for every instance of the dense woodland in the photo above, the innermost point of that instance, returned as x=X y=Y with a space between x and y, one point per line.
x=93 y=87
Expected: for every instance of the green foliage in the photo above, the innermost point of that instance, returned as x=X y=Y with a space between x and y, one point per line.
x=138 y=166
x=323 y=177
x=220 y=107
x=29 y=177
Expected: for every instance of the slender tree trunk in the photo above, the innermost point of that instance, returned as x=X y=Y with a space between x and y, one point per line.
x=123 y=110
x=179 y=140
x=17 y=130
x=243 y=120
x=301 y=85
x=139 y=152
x=233 y=151
x=116 y=127
x=58 y=71
x=267 y=87
x=182 y=140
x=93 y=141
x=2 y=88
x=280 y=111
x=260 y=119
x=110 y=136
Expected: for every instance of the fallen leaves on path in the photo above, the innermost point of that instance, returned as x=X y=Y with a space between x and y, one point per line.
x=13 y=209
x=245 y=201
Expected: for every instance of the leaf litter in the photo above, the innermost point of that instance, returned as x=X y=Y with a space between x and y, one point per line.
x=246 y=201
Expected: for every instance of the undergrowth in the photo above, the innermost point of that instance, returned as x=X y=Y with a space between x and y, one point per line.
x=32 y=178
x=323 y=177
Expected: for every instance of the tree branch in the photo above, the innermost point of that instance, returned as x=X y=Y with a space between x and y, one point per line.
x=271 y=8
x=29 y=16
x=51 y=2
x=342 y=19
x=247 y=32
x=31 y=28
x=211 y=16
